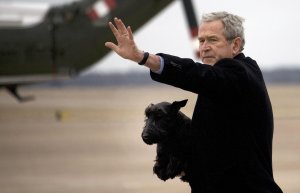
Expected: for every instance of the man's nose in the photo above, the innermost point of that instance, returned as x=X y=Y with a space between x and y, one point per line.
x=205 y=46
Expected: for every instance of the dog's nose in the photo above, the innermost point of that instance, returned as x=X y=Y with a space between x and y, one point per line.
x=146 y=139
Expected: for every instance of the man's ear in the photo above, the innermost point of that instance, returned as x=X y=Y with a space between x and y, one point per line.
x=236 y=45
x=176 y=105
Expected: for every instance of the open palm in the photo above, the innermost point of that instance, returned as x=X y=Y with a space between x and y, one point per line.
x=126 y=47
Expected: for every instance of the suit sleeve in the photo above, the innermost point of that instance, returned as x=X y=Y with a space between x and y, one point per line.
x=226 y=79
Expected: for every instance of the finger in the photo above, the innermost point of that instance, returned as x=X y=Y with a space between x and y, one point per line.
x=130 y=33
x=121 y=27
x=111 y=46
x=113 y=29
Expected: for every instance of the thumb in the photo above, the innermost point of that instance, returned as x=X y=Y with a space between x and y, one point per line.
x=111 y=46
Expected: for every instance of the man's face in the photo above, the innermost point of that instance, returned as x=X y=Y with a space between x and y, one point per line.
x=213 y=44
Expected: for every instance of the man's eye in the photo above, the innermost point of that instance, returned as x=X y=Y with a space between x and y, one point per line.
x=213 y=40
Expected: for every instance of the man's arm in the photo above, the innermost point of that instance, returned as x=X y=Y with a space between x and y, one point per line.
x=126 y=47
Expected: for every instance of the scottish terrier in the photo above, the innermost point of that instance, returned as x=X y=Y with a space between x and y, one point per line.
x=170 y=129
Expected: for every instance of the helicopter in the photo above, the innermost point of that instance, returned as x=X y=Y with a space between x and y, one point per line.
x=69 y=38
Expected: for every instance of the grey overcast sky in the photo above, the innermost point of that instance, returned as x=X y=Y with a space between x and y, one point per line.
x=272 y=30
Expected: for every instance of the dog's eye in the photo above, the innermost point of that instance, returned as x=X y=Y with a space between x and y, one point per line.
x=159 y=114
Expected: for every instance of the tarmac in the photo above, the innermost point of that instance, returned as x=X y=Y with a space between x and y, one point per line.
x=76 y=139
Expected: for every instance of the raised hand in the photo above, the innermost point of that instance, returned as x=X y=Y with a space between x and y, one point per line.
x=126 y=47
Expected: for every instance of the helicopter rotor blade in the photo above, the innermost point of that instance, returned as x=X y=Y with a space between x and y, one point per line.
x=192 y=22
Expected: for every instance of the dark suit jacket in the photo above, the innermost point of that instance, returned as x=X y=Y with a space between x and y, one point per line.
x=232 y=122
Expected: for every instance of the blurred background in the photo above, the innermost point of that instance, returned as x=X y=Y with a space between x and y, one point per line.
x=71 y=112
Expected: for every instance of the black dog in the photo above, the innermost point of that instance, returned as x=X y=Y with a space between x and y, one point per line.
x=170 y=129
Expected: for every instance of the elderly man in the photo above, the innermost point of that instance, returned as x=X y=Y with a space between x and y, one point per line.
x=232 y=120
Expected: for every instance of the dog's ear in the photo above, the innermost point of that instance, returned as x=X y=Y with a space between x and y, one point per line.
x=176 y=105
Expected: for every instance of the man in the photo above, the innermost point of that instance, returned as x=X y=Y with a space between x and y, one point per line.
x=232 y=119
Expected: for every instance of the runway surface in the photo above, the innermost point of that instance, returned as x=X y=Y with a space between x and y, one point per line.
x=75 y=140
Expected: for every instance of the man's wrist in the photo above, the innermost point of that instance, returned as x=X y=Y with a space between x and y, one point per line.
x=138 y=56
x=145 y=58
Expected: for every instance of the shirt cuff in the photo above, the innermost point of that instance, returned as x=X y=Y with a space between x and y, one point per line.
x=162 y=65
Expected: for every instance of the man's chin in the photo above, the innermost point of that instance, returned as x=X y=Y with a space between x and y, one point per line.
x=209 y=61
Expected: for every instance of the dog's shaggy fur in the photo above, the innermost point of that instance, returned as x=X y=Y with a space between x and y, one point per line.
x=170 y=129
